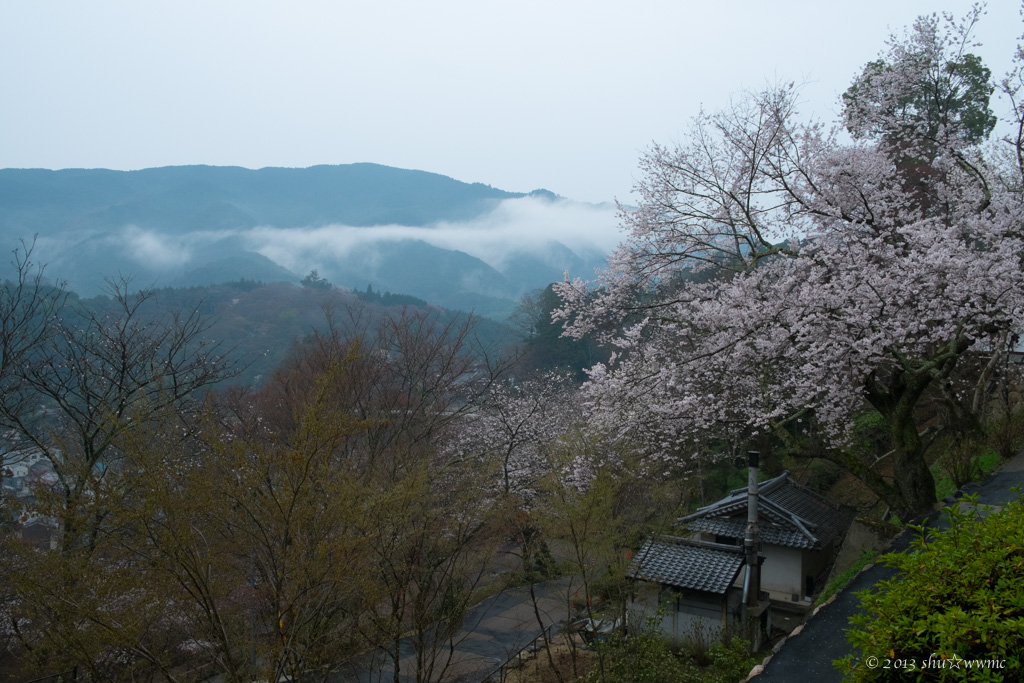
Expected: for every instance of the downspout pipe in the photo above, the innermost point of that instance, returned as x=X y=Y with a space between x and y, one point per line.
x=752 y=538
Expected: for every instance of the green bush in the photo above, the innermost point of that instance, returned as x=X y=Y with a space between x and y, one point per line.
x=647 y=656
x=642 y=657
x=610 y=587
x=730 y=662
x=958 y=598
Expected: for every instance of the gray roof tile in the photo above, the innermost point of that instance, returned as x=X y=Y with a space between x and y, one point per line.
x=788 y=515
x=688 y=564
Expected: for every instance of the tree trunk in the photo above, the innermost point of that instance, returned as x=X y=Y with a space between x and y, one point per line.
x=896 y=402
x=544 y=634
x=914 y=479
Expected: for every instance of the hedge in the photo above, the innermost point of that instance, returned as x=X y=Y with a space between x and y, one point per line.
x=955 y=610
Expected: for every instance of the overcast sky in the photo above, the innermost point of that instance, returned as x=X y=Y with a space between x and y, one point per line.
x=558 y=94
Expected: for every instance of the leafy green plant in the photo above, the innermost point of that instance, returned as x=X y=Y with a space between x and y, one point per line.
x=1006 y=431
x=611 y=587
x=730 y=662
x=643 y=656
x=837 y=582
x=988 y=462
x=944 y=488
x=959 y=597
x=962 y=463
x=647 y=656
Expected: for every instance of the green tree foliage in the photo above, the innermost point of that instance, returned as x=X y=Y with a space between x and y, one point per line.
x=264 y=567
x=389 y=299
x=314 y=281
x=75 y=384
x=544 y=346
x=928 y=87
x=645 y=656
x=269 y=533
x=958 y=598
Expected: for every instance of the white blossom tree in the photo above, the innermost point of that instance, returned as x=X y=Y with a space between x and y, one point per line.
x=775 y=279
x=510 y=432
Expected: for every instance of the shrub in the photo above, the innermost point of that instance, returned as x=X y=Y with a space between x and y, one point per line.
x=959 y=597
x=698 y=640
x=1006 y=432
x=610 y=587
x=648 y=656
x=643 y=656
x=730 y=662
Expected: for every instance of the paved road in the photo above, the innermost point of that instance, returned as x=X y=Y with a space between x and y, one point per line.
x=492 y=632
x=808 y=656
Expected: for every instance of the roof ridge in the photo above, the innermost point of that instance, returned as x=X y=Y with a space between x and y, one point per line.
x=762 y=501
x=761 y=486
x=821 y=497
x=710 y=545
x=790 y=514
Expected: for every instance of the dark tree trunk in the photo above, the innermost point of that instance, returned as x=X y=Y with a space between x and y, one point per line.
x=913 y=477
x=896 y=401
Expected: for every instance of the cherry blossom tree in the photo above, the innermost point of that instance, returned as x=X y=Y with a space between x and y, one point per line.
x=510 y=433
x=512 y=425
x=777 y=280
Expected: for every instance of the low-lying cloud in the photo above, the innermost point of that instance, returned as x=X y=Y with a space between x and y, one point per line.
x=524 y=225
x=161 y=251
x=560 y=234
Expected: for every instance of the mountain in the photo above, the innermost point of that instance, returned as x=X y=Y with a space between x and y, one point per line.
x=184 y=198
x=356 y=224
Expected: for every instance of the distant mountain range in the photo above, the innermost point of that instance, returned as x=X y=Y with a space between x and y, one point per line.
x=459 y=245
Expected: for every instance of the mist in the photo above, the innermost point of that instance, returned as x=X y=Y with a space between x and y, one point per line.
x=527 y=225
x=483 y=263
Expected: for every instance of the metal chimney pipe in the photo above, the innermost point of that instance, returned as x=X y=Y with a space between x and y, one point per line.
x=752 y=539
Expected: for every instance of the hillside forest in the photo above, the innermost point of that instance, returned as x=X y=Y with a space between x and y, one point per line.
x=256 y=480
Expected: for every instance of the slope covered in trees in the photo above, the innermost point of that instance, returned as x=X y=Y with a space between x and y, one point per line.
x=352 y=500
x=182 y=198
x=261 y=322
x=306 y=520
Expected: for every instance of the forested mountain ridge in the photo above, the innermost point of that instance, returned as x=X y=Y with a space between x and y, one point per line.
x=182 y=198
x=357 y=224
x=263 y=322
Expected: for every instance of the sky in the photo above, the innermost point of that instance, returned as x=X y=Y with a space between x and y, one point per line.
x=560 y=94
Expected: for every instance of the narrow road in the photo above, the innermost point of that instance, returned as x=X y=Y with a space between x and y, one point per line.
x=808 y=656
x=491 y=633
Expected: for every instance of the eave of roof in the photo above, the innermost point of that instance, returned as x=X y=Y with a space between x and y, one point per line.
x=687 y=564
x=784 y=511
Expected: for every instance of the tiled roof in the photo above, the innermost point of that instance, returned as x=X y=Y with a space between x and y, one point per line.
x=788 y=515
x=684 y=563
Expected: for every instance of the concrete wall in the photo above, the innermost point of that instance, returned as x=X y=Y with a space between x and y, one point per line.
x=861 y=537
x=782 y=573
x=686 y=613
